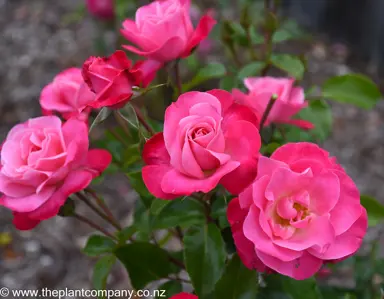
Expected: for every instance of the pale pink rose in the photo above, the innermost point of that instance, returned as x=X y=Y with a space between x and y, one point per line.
x=290 y=99
x=103 y=9
x=113 y=77
x=301 y=211
x=184 y=296
x=67 y=94
x=163 y=30
x=207 y=140
x=43 y=162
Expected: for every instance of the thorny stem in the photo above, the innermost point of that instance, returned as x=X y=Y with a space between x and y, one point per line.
x=121 y=122
x=179 y=84
x=267 y=111
x=142 y=120
x=96 y=210
x=104 y=207
x=269 y=7
x=118 y=137
x=94 y=225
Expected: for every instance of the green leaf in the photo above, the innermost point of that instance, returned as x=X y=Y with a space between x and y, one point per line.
x=210 y=71
x=137 y=183
x=289 y=288
x=204 y=256
x=170 y=289
x=158 y=205
x=219 y=210
x=145 y=262
x=354 y=89
x=126 y=233
x=101 y=271
x=250 y=70
x=288 y=30
x=128 y=114
x=97 y=245
x=101 y=117
x=301 y=289
x=374 y=209
x=290 y=64
x=229 y=82
x=319 y=113
x=269 y=148
x=182 y=212
x=237 y=282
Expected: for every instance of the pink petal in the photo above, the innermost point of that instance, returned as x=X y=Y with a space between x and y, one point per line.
x=243 y=140
x=153 y=175
x=301 y=268
x=175 y=182
x=76 y=181
x=324 y=192
x=348 y=208
x=303 y=124
x=154 y=151
x=319 y=232
x=202 y=30
x=347 y=243
x=98 y=160
x=254 y=232
x=28 y=203
x=170 y=50
x=22 y=222
x=224 y=97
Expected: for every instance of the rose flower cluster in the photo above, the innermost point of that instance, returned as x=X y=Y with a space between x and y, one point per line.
x=292 y=211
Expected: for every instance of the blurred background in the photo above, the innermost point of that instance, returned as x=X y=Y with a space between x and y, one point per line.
x=39 y=38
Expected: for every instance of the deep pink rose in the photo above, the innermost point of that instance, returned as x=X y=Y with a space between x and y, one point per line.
x=301 y=211
x=290 y=99
x=184 y=296
x=208 y=139
x=43 y=162
x=163 y=30
x=67 y=94
x=103 y=9
x=112 y=78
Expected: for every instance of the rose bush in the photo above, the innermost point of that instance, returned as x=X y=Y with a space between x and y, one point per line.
x=43 y=161
x=163 y=30
x=302 y=210
x=234 y=198
x=207 y=139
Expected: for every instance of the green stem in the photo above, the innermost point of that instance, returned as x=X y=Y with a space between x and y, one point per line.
x=94 y=225
x=97 y=211
x=104 y=207
x=271 y=102
x=179 y=83
x=142 y=120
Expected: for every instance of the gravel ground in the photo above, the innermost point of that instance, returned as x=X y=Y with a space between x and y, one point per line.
x=35 y=46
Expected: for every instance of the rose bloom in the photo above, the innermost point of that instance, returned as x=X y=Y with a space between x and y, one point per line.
x=112 y=78
x=43 y=162
x=103 y=9
x=184 y=296
x=67 y=94
x=290 y=99
x=301 y=211
x=163 y=30
x=207 y=139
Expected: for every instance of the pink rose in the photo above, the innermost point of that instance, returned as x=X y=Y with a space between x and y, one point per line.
x=67 y=94
x=103 y=9
x=290 y=99
x=163 y=30
x=301 y=211
x=207 y=139
x=43 y=162
x=112 y=78
x=184 y=296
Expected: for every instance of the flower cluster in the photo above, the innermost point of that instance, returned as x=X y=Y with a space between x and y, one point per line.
x=292 y=212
